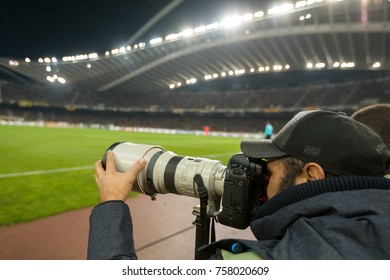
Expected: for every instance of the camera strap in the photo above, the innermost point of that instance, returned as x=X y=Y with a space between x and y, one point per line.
x=203 y=221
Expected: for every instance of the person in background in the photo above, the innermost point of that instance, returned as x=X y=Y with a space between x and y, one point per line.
x=268 y=130
x=377 y=117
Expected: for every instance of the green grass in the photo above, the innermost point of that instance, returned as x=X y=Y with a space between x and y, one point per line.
x=24 y=149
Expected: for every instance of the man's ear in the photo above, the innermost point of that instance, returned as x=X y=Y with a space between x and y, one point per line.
x=311 y=171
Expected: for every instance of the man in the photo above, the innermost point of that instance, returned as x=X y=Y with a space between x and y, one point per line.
x=327 y=197
x=268 y=130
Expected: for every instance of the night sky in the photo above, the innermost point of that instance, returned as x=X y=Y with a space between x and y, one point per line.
x=44 y=28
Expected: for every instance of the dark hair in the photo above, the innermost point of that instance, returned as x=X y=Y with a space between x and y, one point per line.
x=292 y=168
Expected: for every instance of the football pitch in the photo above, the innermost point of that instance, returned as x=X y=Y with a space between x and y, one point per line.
x=45 y=171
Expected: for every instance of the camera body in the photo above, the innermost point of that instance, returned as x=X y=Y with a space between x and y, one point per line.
x=239 y=185
x=243 y=190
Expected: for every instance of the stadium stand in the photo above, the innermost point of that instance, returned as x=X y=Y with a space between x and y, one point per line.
x=230 y=75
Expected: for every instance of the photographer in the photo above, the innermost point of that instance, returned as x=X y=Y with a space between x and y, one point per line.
x=327 y=197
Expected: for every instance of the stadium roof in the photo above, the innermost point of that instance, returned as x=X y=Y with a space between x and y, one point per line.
x=313 y=35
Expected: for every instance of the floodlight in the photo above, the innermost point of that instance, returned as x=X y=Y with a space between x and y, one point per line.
x=247 y=17
x=258 y=14
x=214 y=25
x=281 y=9
x=200 y=29
x=377 y=64
x=61 y=80
x=172 y=37
x=155 y=41
x=300 y=4
x=187 y=32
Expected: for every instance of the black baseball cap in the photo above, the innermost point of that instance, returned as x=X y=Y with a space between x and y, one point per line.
x=335 y=141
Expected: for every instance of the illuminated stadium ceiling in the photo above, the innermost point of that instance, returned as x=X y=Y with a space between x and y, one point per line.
x=312 y=35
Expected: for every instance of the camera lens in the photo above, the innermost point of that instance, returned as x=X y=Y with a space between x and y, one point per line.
x=167 y=172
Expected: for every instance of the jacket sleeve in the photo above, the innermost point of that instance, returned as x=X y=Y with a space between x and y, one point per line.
x=111 y=232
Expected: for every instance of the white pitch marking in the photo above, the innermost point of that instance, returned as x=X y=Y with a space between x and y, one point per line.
x=40 y=172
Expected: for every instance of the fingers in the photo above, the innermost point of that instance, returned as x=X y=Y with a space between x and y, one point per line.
x=110 y=162
x=136 y=168
x=139 y=165
x=99 y=171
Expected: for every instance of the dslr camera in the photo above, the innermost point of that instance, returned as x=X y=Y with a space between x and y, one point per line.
x=234 y=191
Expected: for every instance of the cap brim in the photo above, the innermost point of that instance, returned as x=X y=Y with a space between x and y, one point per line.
x=261 y=149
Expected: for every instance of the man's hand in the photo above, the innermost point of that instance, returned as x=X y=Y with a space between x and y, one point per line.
x=112 y=184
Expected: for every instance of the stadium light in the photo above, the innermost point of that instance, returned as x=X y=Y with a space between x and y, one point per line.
x=300 y=4
x=61 y=80
x=48 y=68
x=28 y=60
x=319 y=65
x=377 y=64
x=50 y=79
x=309 y=65
x=239 y=72
x=191 y=81
x=247 y=17
x=211 y=26
x=258 y=14
x=47 y=60
x=173 y=36
x=336 y=64
x=281 y=9
x=156 y=41
x=200 y=29
x=277 y=67
x=89 y=65
x=13 y=63
x=93 y=55
x=172 y=86
x=287 y=66
x=187 y=32
x=231 y=21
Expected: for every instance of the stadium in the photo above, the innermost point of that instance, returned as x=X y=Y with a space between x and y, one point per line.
x=232 y=74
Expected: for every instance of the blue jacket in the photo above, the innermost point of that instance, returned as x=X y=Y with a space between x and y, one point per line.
x=334 y=218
